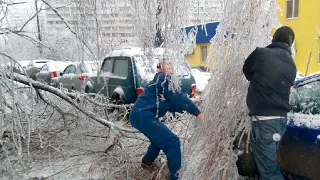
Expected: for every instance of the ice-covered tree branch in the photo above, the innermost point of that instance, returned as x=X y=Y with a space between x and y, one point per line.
x=68 y=25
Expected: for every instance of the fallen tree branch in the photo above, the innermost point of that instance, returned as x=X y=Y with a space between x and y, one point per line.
x=85 y=96
x=22 y=79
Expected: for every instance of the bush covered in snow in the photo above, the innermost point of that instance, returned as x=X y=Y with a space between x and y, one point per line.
x=306 y=99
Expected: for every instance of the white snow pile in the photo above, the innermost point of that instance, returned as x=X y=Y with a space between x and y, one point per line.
x=202 y=79
x=305 y=120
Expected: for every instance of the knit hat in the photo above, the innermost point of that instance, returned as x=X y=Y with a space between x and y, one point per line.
x=284 y=34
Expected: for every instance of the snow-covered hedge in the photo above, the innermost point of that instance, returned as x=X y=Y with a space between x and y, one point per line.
x=306 y=99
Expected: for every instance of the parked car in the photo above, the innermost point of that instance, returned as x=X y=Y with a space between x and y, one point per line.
x=50 y=70
x=76 y=75
x=16 y=68
x=34 y=66
x=24 y=64
x=299 y=150
x=125 y=72
x=202 y=78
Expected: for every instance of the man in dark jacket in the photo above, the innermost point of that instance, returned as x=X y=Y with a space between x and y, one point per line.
x=157 y=99
x=271 y=72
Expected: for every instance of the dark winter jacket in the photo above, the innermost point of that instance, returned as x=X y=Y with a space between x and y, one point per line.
x=271 y=72
x=158 y=90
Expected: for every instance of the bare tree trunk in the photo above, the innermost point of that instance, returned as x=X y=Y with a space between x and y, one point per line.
x=97 y=30
x=38 y=28
x=159 y=39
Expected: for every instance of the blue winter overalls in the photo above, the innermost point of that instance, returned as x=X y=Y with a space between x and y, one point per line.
x=144 y=117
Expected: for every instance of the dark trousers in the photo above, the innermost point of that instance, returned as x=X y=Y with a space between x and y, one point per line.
x=161 y=138
x=265 y=140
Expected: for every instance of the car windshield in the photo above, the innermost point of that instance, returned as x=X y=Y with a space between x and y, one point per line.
x=90 y=67
x=306 y=99
x=57 y=66
x=148 y=67
x=39 y=64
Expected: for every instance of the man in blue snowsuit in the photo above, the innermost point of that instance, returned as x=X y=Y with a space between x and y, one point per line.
x=156 y=100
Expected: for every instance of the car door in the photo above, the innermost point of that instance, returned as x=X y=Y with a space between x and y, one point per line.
x=41 y=75
x=81 y=76
x=70 y=76
x=102 y=84
x=62 y=79
x=300 y=143
x=121 y=80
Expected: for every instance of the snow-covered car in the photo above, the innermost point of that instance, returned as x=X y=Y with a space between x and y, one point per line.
x=76 y=75
x=201 y=77
x=17 y=67
x=299 y=150
x=51 y=70
x=34 y=66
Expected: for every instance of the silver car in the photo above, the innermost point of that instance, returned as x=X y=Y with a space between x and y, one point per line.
x=34 y=66
x=51 y=70
x=76 y=75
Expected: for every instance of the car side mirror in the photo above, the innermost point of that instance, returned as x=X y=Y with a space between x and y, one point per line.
x=61 y=74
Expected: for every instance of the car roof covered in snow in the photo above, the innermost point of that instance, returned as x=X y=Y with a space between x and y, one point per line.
x=308 y=79
x=137 y=51
x=57 y=65
x=41 y=60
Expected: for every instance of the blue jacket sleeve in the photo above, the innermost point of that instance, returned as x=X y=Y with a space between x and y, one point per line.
x=248 y=66
x=179 y=101
x=176 y=108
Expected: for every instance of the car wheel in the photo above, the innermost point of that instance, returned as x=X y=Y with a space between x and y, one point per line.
x=87 y=89
x=116 y=99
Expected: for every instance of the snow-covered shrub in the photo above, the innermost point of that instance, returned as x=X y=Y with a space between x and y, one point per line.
x=306 y=99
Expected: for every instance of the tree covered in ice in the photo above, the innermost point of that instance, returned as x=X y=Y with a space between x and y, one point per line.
x=244 y=25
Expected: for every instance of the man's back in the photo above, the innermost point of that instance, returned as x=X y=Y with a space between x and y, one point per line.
x=271 y=72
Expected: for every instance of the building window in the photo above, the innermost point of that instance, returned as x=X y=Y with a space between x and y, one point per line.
x=292 y=8
x=203 y=53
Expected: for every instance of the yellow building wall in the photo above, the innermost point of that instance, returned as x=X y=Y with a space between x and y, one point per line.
x=195 y=58
x=305 y=29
